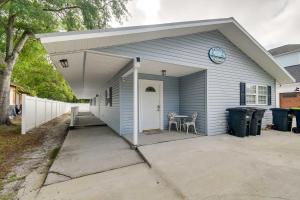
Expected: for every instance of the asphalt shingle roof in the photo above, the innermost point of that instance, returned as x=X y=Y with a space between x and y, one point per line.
x=294 y=70
x=284 y=49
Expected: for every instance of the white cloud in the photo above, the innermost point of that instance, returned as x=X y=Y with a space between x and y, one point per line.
x=150 y=8
x=271 y=22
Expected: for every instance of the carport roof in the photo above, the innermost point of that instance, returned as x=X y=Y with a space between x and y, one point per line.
x=76 y=43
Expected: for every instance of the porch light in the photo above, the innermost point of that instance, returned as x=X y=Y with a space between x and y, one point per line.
x=64 y=63
x=164 y=72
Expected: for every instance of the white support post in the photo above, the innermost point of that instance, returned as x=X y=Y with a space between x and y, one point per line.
x=135 y=100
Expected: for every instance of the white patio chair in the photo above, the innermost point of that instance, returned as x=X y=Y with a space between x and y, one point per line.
x=172 y=120
x=192 y=122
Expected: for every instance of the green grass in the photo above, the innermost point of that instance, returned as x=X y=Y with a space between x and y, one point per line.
x=53 y=154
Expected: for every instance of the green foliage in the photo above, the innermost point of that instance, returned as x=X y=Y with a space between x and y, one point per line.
x=33 y=72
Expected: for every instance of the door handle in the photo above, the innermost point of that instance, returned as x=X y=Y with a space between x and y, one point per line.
x=158 y=107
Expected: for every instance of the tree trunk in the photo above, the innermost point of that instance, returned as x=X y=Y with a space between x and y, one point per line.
x=5 y=92
x=11 y=55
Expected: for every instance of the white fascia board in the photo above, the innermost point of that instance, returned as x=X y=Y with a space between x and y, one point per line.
x=289 y=78
x=68 y=37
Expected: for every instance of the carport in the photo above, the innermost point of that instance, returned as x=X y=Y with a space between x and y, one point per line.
x=90 y=71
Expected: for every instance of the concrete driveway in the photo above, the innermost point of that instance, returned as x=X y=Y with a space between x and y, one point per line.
x=222 y=167
x=135 y=182
x=229 y=168
x=91 y=150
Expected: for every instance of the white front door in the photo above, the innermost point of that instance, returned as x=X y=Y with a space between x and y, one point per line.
x=150 y=104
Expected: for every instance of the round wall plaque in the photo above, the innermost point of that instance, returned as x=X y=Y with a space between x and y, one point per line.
x=217 y=55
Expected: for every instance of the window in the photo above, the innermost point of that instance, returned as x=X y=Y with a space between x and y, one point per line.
x=256 y=94
x=262 y=95
x=150 y=89
x=110 y=96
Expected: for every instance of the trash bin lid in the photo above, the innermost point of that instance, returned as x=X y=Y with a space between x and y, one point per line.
x=280 y=109
x=254 y=108
x=295 y=108
x=241 y=109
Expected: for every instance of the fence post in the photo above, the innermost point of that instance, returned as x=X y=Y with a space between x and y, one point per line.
x=51 y=109
x=45 y=115
x=35 y=112
x=23 y=122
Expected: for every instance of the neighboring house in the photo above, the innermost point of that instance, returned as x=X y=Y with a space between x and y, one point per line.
x=16 y=94
x=137 y=75
x=288 y=56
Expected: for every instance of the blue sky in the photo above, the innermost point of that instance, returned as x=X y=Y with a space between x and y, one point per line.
x=271 y=22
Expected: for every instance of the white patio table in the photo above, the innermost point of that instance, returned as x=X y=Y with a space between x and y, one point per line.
x=180 y=118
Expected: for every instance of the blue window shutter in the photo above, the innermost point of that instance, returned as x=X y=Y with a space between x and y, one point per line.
x=242 y=94
x=269 y=95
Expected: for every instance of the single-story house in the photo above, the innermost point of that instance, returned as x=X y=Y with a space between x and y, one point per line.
x=137 y=75
x=288 y=57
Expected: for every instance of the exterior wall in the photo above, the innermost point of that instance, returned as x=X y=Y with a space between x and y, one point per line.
x=12 y=98
x=95 y=108
x=288 y=59
x=192 y=94
x=222 y=79
x=224 y=83
x=170 y=96
x=111 y=114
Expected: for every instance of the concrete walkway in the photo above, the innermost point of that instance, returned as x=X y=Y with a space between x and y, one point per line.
x=91 y=150
x=84 y=119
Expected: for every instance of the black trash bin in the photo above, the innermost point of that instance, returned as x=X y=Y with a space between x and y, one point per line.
x=282 y=119
x=256 y=121
x=296 y=112
x=239 y=120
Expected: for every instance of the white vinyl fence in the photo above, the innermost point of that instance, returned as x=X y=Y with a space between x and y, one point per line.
x=37 y=111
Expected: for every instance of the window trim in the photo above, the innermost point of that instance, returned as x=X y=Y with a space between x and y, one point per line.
x=256 y=95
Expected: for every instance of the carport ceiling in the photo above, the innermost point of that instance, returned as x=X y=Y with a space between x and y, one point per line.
x=89 y=71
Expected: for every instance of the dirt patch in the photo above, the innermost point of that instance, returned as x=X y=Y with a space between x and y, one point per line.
x=25 y=159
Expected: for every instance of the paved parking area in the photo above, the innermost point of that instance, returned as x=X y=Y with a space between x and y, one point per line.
x=97 y=164
x=225 y=167
x=88 y=151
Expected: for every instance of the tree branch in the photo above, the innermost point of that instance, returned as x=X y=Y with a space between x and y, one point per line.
x=9 y=29
x=21 y=42
x=3 y=2
x=61 y=9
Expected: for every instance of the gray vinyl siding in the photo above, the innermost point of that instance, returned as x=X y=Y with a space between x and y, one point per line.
x=192 y=95
x=222 y=79
x=126 y=106
x=111 y=115
x=170 y=98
